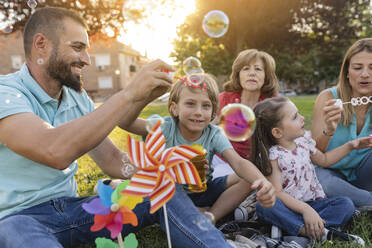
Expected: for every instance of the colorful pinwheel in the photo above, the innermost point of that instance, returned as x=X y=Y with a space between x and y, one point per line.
x=160 y=168
x=109 y=211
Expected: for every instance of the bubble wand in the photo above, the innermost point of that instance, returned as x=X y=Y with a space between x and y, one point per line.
x=355 y=101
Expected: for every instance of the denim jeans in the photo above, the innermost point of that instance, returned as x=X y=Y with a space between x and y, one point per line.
x=215 y=188
x=64 y=223
x=359 y=191
x=334 y=211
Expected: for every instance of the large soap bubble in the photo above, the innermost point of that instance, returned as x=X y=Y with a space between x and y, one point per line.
x=215 y=23
x=152 y=120
x=238 y=121
x=7 y=30
x=32 y=4
x=192 y=65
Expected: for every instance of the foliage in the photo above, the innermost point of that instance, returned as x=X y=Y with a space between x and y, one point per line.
x=100 y=15
x=214 y=56
x=327 y=29
x=306 y=37
x=105 y=18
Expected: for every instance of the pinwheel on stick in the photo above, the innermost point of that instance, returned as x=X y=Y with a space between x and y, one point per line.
x=160 y=169
x=111 y=210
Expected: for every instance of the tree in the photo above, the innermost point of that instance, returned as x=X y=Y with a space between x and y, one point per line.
x=306 y=37
x=327 y=29
x=105 y=18
x=101 y=15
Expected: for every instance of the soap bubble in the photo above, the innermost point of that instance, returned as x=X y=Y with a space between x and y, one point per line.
x=152 y=120
x=195 y=81
x=215 y=23
x=8 y=29
x=202 y=223
x=32 y=3
x=192 y=65
x=237 y=121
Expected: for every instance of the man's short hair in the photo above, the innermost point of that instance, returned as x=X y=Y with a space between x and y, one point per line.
x=49 y=22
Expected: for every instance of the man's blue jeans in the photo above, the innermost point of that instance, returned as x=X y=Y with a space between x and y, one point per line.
x=359 y=191
x=64 y=223
x=334 y=211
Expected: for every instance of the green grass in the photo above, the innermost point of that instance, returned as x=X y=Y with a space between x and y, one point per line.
x=305 y=105
x=152 y=236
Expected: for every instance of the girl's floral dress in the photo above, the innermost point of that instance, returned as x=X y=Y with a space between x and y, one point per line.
x=298 y=174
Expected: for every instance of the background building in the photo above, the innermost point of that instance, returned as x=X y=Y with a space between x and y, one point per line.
x=113 y=64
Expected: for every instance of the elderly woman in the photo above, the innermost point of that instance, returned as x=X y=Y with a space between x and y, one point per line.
x=333 y=126
x=252 y=80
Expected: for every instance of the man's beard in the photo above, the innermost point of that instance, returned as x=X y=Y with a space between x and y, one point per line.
x=59 y=70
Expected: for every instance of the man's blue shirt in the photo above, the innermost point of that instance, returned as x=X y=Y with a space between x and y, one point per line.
x=23 y=182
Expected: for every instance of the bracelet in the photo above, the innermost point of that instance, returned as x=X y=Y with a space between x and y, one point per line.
x=327 y=134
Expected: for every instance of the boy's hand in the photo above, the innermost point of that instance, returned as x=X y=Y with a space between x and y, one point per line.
x=314 y=224
x=265 y=192
x=361 y=143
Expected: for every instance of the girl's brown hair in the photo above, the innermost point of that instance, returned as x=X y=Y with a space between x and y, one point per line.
x=268 y=116
x=270 y=86
x=206 y=80
x=344 y=90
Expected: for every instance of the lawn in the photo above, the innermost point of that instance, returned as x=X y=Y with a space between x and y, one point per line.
x=89 y=173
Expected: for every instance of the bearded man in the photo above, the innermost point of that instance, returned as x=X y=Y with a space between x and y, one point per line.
x=47 y=122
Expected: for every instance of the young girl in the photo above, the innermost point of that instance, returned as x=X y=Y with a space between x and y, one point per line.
x=284 y=153
x=193 y=104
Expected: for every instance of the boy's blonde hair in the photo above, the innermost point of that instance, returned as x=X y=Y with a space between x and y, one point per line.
x=206 y=80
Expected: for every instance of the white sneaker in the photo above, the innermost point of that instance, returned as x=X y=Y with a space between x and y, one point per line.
x=245 y=240
x=337 y=235
x=236 y=244
x=364 y=209
x=247 y=208
x=276 y=232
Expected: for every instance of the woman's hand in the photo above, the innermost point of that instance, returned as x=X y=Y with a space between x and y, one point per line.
x=332 y=115
x=314 y=225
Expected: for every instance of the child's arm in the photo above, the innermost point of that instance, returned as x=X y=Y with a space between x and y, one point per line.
x=314 y=224
x=333 y=156
x=249 y=172
x=138 y=127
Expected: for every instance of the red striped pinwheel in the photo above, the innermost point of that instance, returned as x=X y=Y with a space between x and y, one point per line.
x=159 y=168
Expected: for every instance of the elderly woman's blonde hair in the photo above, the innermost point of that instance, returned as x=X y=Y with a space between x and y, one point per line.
x=210 y=86
x=270 y=86
x=344 y=90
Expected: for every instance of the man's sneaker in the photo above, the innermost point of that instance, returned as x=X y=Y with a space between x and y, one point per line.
x=337 y=235
x=364 y=209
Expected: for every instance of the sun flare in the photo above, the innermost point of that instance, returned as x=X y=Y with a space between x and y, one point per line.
x=154 y=35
